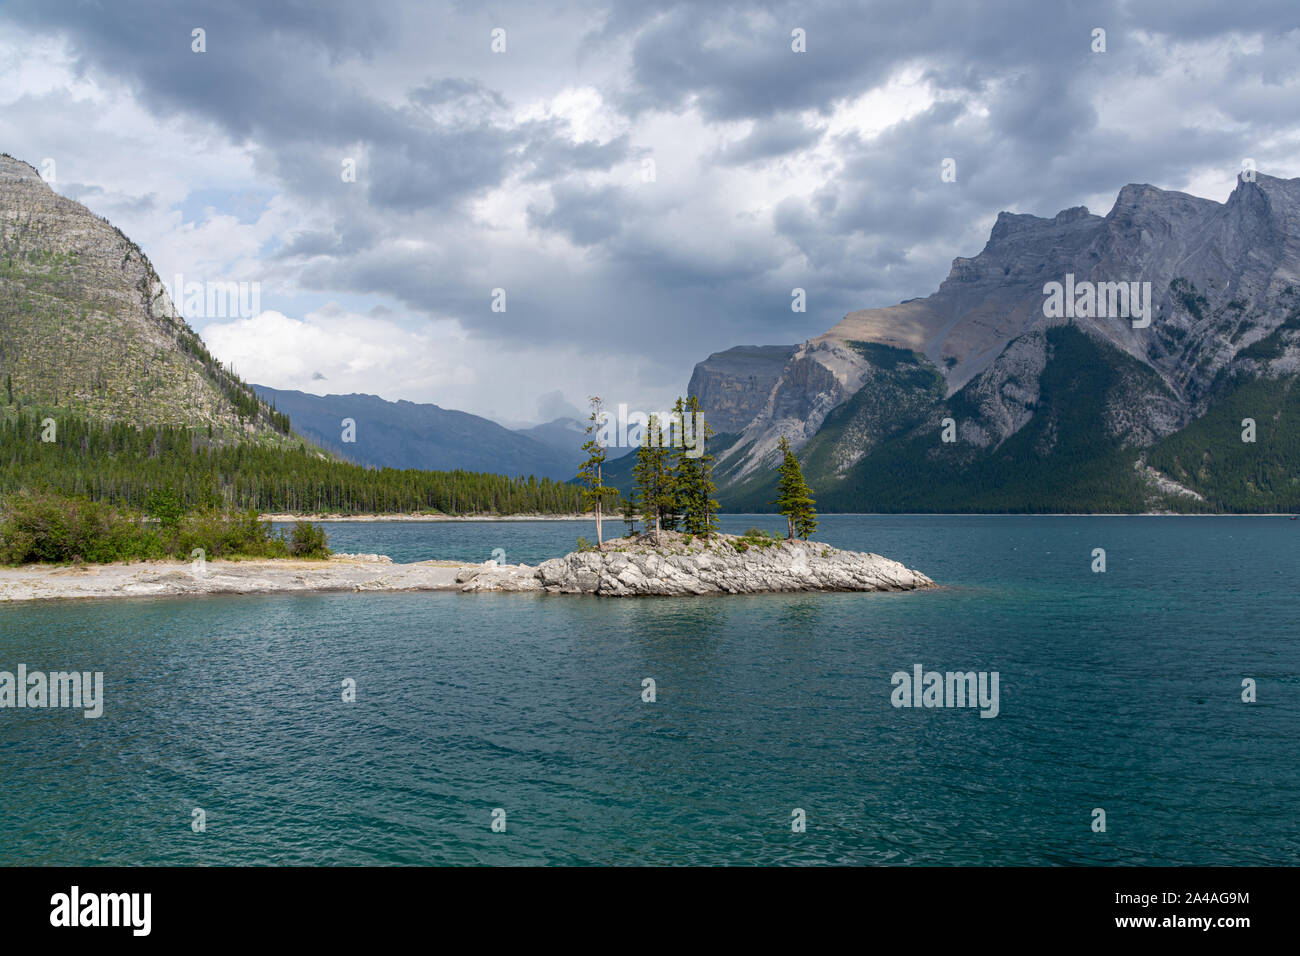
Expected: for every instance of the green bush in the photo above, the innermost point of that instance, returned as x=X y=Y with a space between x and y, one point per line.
x=228 y=536
x=759 y=538
x=52 y=528
x=57 y=529
x=165 y=507
x=309 y=541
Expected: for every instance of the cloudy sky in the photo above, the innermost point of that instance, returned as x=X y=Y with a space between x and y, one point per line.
x=647 y=182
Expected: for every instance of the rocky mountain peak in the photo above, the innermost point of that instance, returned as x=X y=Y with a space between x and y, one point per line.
x=1214 y=278
x=87 y=326
x=14 y=170
x=1073 y=214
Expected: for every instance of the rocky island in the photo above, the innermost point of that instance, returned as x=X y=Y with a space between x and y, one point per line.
x=623 y=567
x=681 y=564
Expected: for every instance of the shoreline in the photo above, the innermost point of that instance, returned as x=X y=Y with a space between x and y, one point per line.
x=418 y=516
x=677 y=565
x=341 y=572
x=285 y=518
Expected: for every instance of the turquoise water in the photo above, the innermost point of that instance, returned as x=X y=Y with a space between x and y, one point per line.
x=1119 y=690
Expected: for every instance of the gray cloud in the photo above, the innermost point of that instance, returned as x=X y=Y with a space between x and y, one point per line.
x=432 y=118
x=769 y=139
x=554 y=405
x=586 y=216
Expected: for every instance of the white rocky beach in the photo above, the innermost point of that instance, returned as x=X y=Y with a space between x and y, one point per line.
x=725 y=564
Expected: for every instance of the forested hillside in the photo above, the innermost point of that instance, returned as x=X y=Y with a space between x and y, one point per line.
x=122 y=464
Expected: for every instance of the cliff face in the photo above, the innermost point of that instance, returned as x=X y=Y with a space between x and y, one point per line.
x=1223 y=277
x=733 y=386
x=86 y=324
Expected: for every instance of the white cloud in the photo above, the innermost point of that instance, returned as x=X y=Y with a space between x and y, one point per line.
x=336 y=351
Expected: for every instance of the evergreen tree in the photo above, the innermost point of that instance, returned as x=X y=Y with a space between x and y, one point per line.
x=121 y=464
x=794 y=497
x=591 y=471
x=693 y=470
x=630 y=513
x=654 y=478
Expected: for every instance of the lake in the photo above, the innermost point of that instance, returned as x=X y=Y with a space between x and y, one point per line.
x=1120 y=691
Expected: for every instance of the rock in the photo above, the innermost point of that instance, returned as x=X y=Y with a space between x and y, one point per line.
x=635 y=567
x=734 y=385
x=260 y=576
x=491 y=576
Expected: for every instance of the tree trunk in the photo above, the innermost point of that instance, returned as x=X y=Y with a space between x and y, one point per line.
x=599 y=481
x=790 y=521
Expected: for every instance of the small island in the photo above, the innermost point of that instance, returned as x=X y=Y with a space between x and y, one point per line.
x=680 y=564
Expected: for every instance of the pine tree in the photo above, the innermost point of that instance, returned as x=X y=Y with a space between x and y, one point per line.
x=654 y=478
x=630 y=513
x=591 y=471
x=794 y=497
x=120 y=464
x=693 y=470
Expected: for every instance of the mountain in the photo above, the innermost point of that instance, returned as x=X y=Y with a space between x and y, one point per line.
x=1053 y=411
x=90 y=338
x=87 y=326
x=734 y=385
x=410 y=435
x=563 y=435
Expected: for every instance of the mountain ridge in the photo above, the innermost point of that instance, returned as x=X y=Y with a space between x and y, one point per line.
x=87 y=325
x=1223 y=279
x=405 y=434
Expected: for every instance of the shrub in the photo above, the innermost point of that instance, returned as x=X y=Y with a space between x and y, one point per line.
x=228 y=536
x=51 y=528
x=57 y=529
x=309 y=541
x=165 y=507
x=759 y=538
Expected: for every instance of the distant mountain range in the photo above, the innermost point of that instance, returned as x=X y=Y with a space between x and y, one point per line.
x=1049 y=408
x=410 y=435
x=564 y=435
